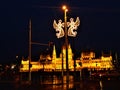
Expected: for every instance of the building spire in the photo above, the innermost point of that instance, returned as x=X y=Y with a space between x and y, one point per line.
x=54 y=55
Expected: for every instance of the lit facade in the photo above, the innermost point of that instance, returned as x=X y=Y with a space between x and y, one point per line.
x=86 y=60
x=89 y=61
x=57 y=62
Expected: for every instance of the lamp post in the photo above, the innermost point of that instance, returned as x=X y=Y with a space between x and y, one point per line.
x=30 y=43
x=71 y=26
x=66 y=41
x=29 y=50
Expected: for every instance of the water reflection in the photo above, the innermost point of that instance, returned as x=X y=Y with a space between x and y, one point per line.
x=101 y=85
x=56 y=82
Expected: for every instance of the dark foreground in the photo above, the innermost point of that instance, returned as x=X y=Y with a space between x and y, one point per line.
x=82 y=85
x=56 y=85
x=47 y=81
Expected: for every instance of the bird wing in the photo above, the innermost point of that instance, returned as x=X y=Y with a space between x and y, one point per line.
x=55 y=24
x=77 y=22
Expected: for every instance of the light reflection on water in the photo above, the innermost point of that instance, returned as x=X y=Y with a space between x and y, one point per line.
x=59 y=82
x=56 y=83
x=101 y=85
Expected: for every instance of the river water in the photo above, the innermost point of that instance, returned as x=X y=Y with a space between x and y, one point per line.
x=59 y=83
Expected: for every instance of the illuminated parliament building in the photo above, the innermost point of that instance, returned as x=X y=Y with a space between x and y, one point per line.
x=86 y=60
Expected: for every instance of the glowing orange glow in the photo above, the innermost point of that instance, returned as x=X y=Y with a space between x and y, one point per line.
x=66 y=10
x=87 y=60
x=64 y=7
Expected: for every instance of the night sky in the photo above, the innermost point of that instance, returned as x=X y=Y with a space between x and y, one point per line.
x=99 y=29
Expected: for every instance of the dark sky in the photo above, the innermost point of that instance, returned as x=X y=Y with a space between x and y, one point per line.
x=99 y=29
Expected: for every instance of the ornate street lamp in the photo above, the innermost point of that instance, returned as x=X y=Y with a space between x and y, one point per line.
x=61 y=30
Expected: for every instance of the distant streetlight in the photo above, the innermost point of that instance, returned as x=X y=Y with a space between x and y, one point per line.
x=16 y=57
x=72 y=26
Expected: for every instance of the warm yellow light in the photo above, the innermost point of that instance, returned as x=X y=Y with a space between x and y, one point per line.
x=64 y=7
x=66 y=10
